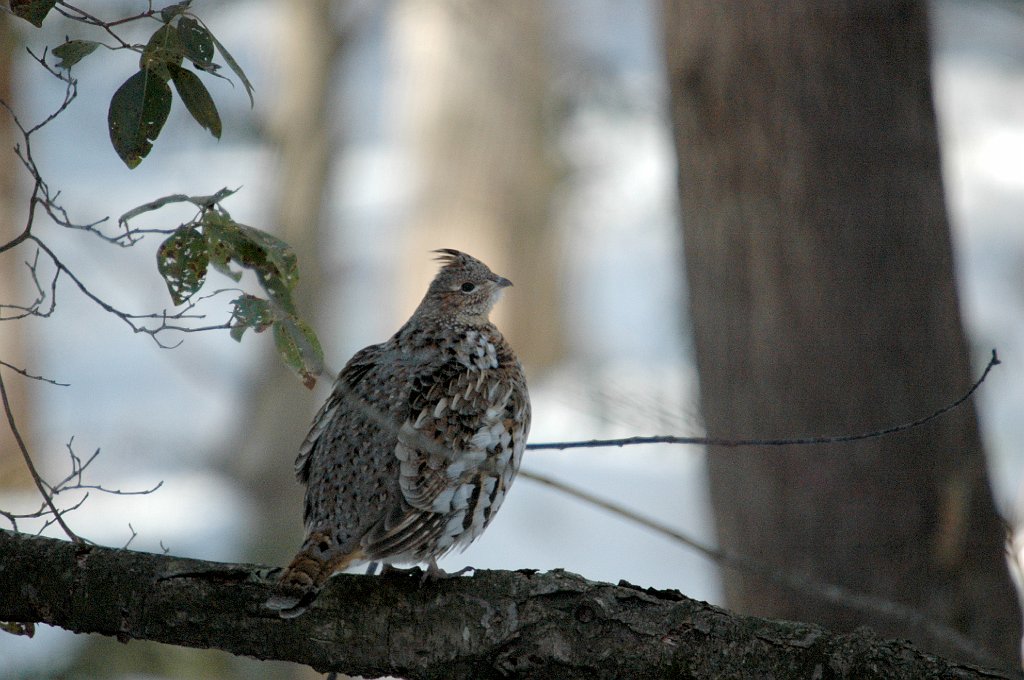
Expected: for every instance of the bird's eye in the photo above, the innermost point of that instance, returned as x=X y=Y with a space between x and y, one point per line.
x=468 y=287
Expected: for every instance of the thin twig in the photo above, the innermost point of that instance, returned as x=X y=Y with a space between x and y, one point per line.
x=31 y=467
x=30 y=376
x=795 y=441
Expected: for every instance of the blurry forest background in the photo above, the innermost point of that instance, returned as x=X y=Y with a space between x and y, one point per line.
x=534 y=135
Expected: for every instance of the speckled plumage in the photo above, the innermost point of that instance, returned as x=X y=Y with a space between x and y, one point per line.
x=415 y=449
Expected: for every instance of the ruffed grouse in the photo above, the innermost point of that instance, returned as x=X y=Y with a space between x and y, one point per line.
x=416 y=447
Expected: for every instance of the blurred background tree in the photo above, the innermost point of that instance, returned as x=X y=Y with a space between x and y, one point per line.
x=13 y=474
x=479 y=114
x=823 y=300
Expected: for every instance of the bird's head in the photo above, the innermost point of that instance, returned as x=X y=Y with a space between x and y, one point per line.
x=464 y=290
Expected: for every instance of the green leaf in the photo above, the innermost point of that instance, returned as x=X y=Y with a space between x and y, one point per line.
x=168 y=13
x=32 y=11
x=73 y=51
x=250 y=312
x=233 y=65
x=138 y=111
x=221 y=252
x=197 y=99
x=183 y=260
x=198 y=201
x=270 y=258
x=279 y=254
x=163 y=50
x=299 y=348
x=197 y=42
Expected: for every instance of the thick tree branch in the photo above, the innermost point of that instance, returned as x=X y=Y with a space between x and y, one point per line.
x=494 y=624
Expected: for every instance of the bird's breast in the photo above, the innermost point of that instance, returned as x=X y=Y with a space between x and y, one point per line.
x=477 y=349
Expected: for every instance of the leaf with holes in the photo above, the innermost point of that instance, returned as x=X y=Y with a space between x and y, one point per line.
x=270 y=258
x=138 y=111
x=284 y=265
x=73 y=51
x=250 y=312
x=196 y=42
x=32 y=11
x=299 y=348
x=197 y=99
x=163 y=51
x=183 y=260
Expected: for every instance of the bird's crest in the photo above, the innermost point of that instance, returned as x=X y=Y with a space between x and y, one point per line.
x=449 y=257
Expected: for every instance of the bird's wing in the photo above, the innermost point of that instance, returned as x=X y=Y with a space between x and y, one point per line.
x=362 y=363
x=455 y=453
x=454 y=424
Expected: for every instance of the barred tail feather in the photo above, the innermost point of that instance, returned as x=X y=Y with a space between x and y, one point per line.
x=304 y=578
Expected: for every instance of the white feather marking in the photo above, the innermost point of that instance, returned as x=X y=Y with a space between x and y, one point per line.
x=474 y=456
x=441 y=406
x=421 y=418
x=489 y=483
x=456 y=469
x=443 y=502
x=483 y=439
x=461 y=498
x=403 y=452
x=498 y=498
x=477 y=524
x=454 y=526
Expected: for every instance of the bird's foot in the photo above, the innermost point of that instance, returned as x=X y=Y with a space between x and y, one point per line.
x=431 y=573
x=289 y=605
x=436 y=573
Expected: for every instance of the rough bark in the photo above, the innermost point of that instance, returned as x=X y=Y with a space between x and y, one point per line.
x=494 y=624
x=823 y=301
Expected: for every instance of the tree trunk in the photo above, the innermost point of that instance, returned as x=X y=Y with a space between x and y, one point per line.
x=823 y=301
x=13 y=275
x=477 y=94
x=280 y=410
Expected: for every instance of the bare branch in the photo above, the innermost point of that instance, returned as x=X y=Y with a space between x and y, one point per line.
x=796 y=441
x=48 y=510
x=76 y=14
x=493 y=624
x=30 y=376
x=40 y=484
x=34 y=308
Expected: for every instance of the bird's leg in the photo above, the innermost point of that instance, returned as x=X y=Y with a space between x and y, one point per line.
x=371 y=568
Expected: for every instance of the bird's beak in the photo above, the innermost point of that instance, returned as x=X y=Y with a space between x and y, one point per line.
x=501 y=281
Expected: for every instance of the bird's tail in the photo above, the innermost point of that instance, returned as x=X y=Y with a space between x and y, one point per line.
x=304 y=578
